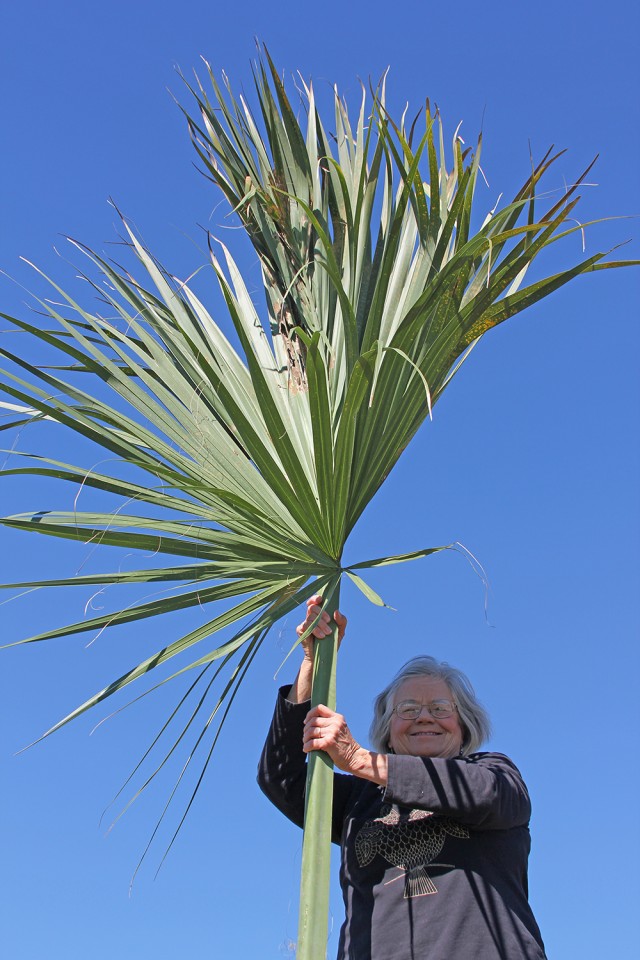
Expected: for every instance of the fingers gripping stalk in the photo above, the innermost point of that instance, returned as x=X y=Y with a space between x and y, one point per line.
x=328 y=731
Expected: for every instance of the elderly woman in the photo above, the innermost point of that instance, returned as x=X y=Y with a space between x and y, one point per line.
x=434 y=835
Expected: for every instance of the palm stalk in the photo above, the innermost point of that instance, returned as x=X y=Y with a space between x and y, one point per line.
x=316 y=845
x=246 y=471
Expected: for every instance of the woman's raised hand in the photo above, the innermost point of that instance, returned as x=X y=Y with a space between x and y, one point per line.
x=322 y=629
x=301 y=687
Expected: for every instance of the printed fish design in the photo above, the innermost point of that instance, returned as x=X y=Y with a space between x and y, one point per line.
x=409 y=841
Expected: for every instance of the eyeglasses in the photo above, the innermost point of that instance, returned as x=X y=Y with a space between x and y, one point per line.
x=411 y=709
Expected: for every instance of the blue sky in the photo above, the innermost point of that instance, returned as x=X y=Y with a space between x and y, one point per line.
x=531 y=461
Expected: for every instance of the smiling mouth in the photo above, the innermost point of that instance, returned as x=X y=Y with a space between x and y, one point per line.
x=426 y=733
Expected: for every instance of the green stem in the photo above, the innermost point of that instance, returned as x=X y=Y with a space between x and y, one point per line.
x=313 y=921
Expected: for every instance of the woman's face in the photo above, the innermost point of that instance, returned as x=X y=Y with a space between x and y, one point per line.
x=425 y=736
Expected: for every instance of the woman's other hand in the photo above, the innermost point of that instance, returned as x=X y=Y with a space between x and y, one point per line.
x=322 y=629
x=328 y=731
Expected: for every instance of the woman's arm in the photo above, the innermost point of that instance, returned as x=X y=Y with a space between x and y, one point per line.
x=485 y=790
x=301 y=687
x=282 y=770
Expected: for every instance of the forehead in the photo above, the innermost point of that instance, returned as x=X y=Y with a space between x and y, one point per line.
x=423 y=689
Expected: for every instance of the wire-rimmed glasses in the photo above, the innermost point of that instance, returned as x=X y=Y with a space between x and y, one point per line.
x=411 y=709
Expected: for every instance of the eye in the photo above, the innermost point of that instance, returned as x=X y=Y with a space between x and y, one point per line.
x=408 y=709
x=441 y=708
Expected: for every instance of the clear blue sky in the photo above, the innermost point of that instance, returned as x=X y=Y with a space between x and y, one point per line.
x=531 y=461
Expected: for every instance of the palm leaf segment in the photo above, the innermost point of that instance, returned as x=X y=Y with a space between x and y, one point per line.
x=254 y=469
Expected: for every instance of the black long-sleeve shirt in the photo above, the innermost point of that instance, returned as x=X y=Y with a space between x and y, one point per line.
x=434 y=866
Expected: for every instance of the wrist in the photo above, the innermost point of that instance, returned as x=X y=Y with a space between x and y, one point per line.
x=370 y=766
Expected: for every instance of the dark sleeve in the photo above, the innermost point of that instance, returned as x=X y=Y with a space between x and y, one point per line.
x=282 y=771
x=484 y=790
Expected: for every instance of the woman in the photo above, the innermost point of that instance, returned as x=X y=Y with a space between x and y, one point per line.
x=434 y=835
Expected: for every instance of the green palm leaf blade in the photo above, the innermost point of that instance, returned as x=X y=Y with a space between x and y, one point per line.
x=202 y=595
x=399 y=558
x=279 y=591
x=254 y=464
x=366 y=589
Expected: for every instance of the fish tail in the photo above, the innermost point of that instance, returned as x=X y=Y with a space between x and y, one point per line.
x=418 y=883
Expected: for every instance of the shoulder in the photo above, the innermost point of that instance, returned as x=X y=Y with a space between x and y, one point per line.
x=494 y=761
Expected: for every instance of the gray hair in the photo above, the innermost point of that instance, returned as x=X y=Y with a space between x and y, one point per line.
x=476 y=726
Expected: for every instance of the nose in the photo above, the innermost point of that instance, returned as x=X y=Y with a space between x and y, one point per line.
x=424 y=709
